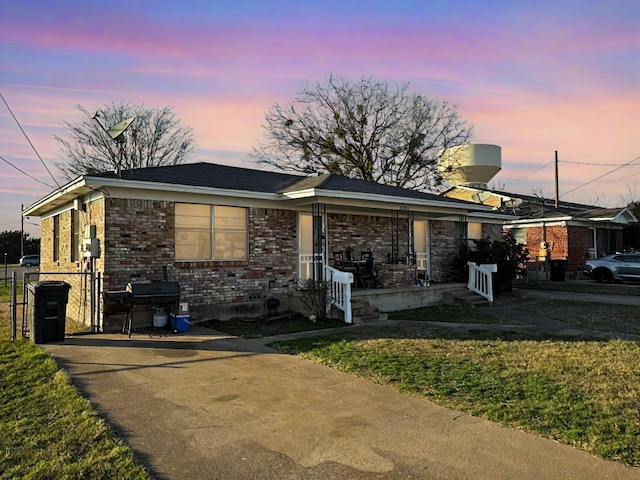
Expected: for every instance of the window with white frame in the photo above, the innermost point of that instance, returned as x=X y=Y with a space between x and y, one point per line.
x=520 y=235
x=474 y=232
x=210 y=232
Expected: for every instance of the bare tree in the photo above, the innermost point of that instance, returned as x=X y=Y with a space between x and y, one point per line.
x=369 y=130
x=154 y=138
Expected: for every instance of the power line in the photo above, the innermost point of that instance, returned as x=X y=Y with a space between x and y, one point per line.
x=621 y=178
x=601 y=176
x=28 y=140
x=24 y=173
x=536 y=171
x=594 y=164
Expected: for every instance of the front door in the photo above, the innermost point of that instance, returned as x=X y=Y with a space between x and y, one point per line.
x=308 y=258
x=422 y=246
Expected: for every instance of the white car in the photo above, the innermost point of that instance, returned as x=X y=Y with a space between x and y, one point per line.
x=30 y=261
x=617 y=267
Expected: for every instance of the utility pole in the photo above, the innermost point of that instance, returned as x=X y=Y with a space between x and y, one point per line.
x=21 y=231
x=557 y=187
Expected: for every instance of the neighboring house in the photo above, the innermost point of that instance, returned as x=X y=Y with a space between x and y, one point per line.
x=568 y=232
x=228 y=235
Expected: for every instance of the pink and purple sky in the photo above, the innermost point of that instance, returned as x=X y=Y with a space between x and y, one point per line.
x=532 y=77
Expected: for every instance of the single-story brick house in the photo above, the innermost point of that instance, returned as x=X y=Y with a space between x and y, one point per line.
x=570 y=232
x=229 y=234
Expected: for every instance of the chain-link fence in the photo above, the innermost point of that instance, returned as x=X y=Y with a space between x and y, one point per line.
x=82 y=308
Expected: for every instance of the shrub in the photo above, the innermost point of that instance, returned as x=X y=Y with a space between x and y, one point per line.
x=315 y=295
x=509 y=255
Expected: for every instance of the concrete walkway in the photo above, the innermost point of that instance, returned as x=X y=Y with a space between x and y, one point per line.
x=204 y=405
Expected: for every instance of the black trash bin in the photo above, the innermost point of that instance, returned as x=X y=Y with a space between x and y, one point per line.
x=47 y=310
x=558 y=270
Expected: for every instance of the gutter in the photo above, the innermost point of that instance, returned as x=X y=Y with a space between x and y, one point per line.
x=374 y=197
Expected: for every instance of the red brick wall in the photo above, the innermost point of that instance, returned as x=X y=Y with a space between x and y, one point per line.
x=141 y=241
x=362 y=232
x=138 y=240
x=444 y=250
x=570 y=243
x=578 y=247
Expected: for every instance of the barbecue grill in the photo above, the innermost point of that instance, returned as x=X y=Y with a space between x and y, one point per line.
x=116 y=301
x=154 y=293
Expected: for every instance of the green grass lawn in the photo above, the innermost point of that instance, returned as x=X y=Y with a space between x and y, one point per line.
x=582 y=393
x=5 y=291
x=47 y=429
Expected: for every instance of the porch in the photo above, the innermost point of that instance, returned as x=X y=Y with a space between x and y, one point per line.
x=395 y=299
x=364 y=305
x=351 y=305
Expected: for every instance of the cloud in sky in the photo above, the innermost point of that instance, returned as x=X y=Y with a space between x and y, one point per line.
x=532 y=78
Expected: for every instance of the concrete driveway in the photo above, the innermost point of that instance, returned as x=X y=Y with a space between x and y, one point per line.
x=207 y=406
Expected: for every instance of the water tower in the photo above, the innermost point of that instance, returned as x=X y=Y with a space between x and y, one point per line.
x=470 y=165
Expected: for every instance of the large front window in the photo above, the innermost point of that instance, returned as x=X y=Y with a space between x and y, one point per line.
x=210 y=232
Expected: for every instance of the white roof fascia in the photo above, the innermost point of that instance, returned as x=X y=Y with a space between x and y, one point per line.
x=618 y=218
x=374 y=197
x=223 y=192
x=57 y=193
x=540 y=221
x=499 y=217
x=473 y=189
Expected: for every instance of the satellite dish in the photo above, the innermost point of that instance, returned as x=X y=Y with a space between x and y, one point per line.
x=115 y=133
x=512 y=203
x=481 y=197
x=117 y=130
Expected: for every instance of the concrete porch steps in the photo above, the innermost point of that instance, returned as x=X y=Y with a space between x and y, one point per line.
x=465 y=297
x=362 y=312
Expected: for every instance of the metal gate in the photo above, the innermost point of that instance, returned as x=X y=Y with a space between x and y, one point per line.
x=83 y=306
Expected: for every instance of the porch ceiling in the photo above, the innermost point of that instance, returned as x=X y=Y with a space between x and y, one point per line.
x=385 y=207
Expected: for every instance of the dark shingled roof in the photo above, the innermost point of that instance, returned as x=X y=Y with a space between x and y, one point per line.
x=538 y=207
x=214 y=175
x=210 y=175
x=340 y=183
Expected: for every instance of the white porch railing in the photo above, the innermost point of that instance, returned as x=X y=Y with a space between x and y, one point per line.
x=480 y=280
x=340 y=290
x=421 y=261
x=307 y=263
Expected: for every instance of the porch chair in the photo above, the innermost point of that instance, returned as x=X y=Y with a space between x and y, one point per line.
x=366 y=254
x=339 y=263
x=366 y=276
